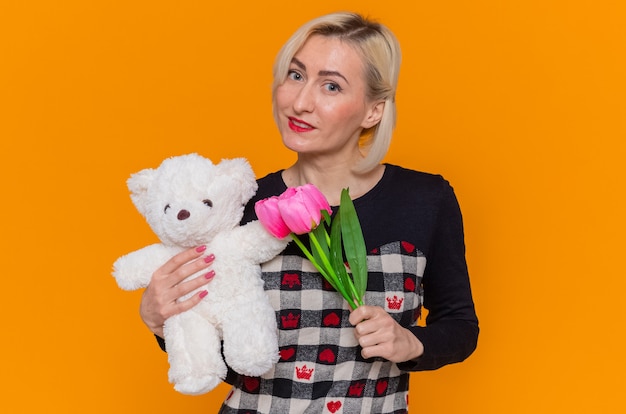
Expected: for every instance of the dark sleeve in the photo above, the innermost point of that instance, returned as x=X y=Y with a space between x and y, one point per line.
x=451 y=331
x=161 y=342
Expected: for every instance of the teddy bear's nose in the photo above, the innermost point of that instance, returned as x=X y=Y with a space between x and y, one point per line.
x=183 y=215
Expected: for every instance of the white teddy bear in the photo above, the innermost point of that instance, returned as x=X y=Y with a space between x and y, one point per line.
x=188 y=201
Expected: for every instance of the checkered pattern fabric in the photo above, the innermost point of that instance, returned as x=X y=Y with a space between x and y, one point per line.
x=321 y=369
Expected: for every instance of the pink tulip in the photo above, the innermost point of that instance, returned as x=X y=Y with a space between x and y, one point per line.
x=269 y=215
x=298 y=210
x=301 y=208
x=316 y=196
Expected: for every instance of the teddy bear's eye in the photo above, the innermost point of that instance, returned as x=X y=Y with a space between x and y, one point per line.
x=166 y=207
x=208 y=203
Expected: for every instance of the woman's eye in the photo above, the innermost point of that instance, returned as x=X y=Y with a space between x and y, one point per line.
x=208 y=203
x=294 y=75
x=166 y=208
x=333 y=87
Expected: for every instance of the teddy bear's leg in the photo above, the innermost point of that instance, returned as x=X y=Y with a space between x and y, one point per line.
x=193 y=346
x=250 y=339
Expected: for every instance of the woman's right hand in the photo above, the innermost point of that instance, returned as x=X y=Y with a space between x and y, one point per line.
x=160 y=298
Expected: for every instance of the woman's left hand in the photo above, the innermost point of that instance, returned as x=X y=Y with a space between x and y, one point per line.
x=381 y=336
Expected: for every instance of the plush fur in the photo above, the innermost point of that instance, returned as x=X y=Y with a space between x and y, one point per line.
x=189 y=201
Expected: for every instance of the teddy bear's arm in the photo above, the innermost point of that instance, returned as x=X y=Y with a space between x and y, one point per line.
x=257 y=244
x=134 y=270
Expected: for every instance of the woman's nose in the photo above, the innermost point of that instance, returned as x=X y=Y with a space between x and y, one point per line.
x=304 y=101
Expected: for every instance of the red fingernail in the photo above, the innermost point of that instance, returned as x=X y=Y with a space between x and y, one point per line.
x=210 y=275
x=203 y=294
x=209 y=258
x=200 y=249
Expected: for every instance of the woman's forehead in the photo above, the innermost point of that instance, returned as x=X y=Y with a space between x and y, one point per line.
x=328 y=54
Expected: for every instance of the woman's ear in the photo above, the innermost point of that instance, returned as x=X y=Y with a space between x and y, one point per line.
x=374 y=115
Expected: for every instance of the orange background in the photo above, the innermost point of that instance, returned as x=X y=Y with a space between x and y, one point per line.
x=520 y=104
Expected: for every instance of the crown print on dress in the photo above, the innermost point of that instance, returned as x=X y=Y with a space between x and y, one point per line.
x=394 y=303
x=291 y=280
x=304 y=372
x=290 y=321
x=356 y=390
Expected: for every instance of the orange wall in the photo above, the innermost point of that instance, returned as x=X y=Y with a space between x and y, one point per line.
x=520 y=104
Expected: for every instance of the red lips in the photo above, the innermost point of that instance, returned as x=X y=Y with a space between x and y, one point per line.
x=298 y=125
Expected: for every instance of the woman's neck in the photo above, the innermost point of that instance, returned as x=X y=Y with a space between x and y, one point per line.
x=331 y=179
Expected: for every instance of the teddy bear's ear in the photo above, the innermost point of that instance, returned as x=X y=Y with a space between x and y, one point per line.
x=239 y=170
x=138 y=184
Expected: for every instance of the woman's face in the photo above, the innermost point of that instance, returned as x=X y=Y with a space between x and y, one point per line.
x=321 y=108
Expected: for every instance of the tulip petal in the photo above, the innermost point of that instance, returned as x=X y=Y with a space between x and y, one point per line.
x=269 y=215
x=295 y=214
x=315 y=198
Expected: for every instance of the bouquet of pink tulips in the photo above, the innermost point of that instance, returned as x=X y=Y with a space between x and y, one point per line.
x=304 y=209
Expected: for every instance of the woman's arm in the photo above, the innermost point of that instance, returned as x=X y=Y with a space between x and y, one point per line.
x=451 y=331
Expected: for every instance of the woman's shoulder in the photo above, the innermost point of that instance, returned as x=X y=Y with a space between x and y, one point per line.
x=406 y=179
x=270 y=185
x=402 y=186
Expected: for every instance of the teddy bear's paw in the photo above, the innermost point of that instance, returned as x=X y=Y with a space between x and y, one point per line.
x=252 y=356
x=254 y=365
x=197 y=385
x=255 y=370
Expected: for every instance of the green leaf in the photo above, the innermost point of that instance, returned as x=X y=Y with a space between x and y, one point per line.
x=320 y=234
x=336 y=254
x=326 y=217
x=353 y=243
x=336 y=251
x=329 y=272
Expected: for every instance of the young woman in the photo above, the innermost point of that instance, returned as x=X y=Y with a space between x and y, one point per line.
x=334 y=87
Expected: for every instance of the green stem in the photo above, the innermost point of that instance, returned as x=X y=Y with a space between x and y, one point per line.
x=309 y=256
x=316 y=244
x=355 y=294
x=328 y=272
x=339 y=286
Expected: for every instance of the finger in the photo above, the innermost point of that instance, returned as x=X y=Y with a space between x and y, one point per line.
x=370 y=333
x=190 y=268
x=171 y=305
x=187 y=304
x=364 y=329
x=363 y=313
x=359 y=315
x=189 y=286
x=181 y=259
x=374 y=351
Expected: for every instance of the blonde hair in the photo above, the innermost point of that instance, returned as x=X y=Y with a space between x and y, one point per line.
x=381 y=56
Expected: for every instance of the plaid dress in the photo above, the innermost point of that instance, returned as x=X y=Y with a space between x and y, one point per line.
x=321 y=369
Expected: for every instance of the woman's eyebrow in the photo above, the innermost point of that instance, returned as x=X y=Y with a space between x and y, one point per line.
x=332 y=73
x=302 y=66
x=299 y=64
